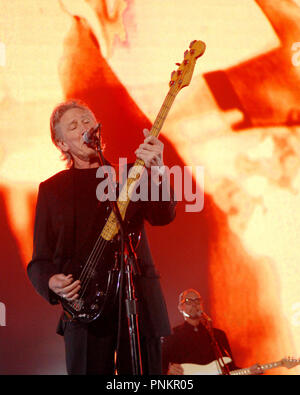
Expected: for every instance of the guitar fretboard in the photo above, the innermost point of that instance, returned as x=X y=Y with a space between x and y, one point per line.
x=247 y=371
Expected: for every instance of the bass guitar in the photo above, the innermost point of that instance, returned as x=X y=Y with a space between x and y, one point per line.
x=99 y=273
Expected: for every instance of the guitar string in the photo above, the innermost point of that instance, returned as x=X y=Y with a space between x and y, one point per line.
x=96 y=254
x=85 y=270
x=91 y=264
x=94 y=259
x=98 y=249
x=86 y=266
x=92 y=267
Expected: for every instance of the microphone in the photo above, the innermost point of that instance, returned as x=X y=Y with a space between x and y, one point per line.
x=89 y=136
x=205 y=316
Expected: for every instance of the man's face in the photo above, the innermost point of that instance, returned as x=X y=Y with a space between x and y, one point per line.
x=191 y=304
x=72 y=126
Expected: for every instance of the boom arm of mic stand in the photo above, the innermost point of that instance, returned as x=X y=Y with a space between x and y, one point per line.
x=224 y=369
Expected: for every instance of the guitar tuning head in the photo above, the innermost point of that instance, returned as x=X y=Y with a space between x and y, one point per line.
x=183 y=75
x=192 y=42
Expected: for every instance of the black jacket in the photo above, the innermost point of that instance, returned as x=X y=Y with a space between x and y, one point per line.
x=54 y=243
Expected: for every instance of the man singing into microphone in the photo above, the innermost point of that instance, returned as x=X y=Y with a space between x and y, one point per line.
x=68 y=216
x=197 y=342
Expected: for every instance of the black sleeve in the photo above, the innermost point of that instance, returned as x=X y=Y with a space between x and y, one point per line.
x=167 y=348
x=41 y=267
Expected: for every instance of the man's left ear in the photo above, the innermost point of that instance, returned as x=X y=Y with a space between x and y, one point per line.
x=63 y=146
x=180 y=308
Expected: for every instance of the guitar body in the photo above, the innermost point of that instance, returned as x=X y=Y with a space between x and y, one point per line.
x=211 y=369
x=99 y=284
x=99 y=278
x=91 y=306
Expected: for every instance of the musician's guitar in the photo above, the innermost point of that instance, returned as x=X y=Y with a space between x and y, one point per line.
x=214 y=369
x=99 y=272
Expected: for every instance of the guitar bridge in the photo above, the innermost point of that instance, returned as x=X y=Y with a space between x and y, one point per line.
x=77 y=304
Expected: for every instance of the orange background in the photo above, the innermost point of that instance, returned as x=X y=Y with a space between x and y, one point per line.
x=239 y=118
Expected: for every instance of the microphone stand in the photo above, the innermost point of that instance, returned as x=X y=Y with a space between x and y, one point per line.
x=217 y=351
x=129 y=259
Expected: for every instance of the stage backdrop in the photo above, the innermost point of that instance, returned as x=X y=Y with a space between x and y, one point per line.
x=239 y=118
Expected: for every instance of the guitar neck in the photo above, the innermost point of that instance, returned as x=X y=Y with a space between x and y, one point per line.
x=164 y=110
x=111 y=227
x=264 y=367
x=179 y=79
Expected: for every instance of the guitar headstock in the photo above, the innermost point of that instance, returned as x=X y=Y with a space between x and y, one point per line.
x=290 y=362
x=183 y=75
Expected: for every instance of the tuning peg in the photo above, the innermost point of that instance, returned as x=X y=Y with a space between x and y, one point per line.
x=177 y=64
x=186 y=52
x=193 y=42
